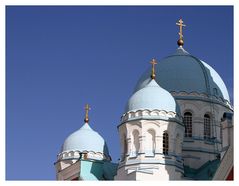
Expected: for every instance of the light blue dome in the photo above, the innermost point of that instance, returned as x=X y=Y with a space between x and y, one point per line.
x=184 y=72
x=85 y=139
x=151 y=97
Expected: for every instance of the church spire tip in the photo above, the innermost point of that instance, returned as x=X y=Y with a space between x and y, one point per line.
x=153 y=62
x=181 y=25
x=87 y=108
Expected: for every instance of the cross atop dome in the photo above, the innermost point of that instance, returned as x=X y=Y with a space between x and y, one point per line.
x=87 y=108
x=153 y=62
x=181 y=25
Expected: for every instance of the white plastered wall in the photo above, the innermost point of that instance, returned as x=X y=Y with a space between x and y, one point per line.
x=157 y=171
x=196 y=158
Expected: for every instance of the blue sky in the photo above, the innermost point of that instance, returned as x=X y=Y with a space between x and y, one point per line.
x=60 y=58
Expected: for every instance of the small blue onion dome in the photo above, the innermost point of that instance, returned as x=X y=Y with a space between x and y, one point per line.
x=85 y=139
x=151 y=97
x=182 y=72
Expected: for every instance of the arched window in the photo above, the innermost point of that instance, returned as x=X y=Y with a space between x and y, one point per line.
x=207 y=127
x=124 y=147
x=187 y=120
x=124 y=144
x=135 y=143
x=165 y=143
x=150 y=142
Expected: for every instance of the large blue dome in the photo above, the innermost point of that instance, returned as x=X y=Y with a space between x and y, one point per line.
x=184 y=72
x=151 y=97
x=85 y=139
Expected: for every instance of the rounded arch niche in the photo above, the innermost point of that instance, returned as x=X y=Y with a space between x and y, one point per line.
x=150 y=142
x=135 y=143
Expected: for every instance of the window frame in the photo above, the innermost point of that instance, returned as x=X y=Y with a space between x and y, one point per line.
x=187 y=120
x=165 y=143
x=207 y=126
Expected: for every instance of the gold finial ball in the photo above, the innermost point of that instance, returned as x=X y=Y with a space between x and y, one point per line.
x=86 y=120
x=180 y=42
x=153 y=76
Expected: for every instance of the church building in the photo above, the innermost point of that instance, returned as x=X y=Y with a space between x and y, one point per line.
x=177 y=125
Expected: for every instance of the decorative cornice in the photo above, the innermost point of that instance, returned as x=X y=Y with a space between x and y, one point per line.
x=184 y=93
x=152 y=162
x=203 y=96
x=210 y=141
x=203 y=150
x=82 y=155
x=160 y=114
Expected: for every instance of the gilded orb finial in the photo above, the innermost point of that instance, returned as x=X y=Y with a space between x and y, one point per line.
x=87 y=108
x=181 y=25
x=153 y=62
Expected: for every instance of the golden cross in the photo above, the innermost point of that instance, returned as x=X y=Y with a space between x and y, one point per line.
x=87 y=108
x=180 y=24
x=153 y=62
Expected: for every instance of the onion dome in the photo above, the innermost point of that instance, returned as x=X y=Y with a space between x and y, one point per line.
x=182 y=72
x=152 y=96
x=85 y=139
